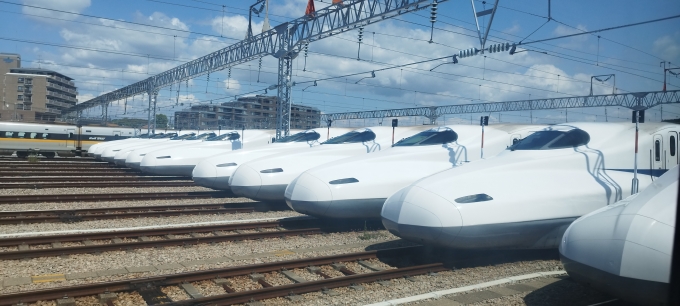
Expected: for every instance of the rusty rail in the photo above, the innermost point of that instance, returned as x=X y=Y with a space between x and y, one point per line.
x=23 y=199
x=243 y=296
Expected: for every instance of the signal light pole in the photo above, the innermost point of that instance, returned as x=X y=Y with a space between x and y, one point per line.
x=638 y=117
x=484 y=120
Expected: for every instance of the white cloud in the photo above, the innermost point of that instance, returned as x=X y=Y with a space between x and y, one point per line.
x=232 y=86
x=668 y=47
x=73 y=6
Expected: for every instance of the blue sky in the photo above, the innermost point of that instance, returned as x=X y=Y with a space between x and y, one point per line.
x=184 y=30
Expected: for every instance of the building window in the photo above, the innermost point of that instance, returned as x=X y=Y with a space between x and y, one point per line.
x=20 y=80
x=20 y=88
x=20 y=97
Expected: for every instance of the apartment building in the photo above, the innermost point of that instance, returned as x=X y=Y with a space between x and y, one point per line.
x=257 y=112
x=33 y=94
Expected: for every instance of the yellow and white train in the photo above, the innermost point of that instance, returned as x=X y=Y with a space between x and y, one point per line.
x=51 y=139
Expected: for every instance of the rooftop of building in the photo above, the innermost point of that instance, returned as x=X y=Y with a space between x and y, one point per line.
x=38 y=71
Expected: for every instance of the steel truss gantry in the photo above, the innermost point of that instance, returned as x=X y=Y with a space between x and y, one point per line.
x=633 y=100
x=283 y=42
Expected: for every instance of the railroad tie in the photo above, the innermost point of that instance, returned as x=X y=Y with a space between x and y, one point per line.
x=370 y=266
x=226 y=284
x=191 y=291
x=294 y=277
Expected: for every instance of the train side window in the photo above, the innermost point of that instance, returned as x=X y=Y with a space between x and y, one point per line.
x=33 y=135
x=657 y=150
x=28 y=135
x=46 y=136
x=70 y=135
x=673 y=144
x=19 y=135
x=38 y=136
x=3 y=134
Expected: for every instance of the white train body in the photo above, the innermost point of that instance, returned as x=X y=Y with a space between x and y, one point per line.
x=51 y=138
x=215 y=171
x=135 y=156
x=266 y=178
x=625 y=249
x=181 y=160
x=526 y=196
x=357 y=187
x=108 y=153
x=100 y=146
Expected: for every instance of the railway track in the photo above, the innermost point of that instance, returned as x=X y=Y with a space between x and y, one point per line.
x=88 y=214
x=62 y=169
x=129 y=179
x=73 y=174
x=150 y=288
x=24 y=199
x=45 y=185
x=47 y=246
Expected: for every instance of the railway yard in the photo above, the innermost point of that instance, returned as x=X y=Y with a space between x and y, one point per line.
x=75 y=231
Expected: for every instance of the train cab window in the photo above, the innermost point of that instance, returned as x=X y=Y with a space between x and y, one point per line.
x=550 y=140
x=429 y=137
x=672 y=143
x=227 y=136
x=352 y=137
x=657 y=150
x=300 y=137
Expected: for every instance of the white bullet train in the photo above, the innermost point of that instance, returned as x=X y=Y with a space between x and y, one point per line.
x=99 y=146
x=52 y=139
x=625 y=249
x=266 y=178
x=134 y=157
x=526 y=196
x=357 y=187
x=215 y=171
x=181 y=160
x=108 y=153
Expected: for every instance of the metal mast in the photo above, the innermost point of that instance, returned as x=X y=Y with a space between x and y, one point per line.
x=283 y=42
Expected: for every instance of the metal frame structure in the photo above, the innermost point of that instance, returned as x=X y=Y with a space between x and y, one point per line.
x=634 y=101
x=283 y=42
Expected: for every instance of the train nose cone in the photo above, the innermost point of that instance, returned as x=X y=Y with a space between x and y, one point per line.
x=148 y=164
x=245 y=182
x=309 y=195
x=421 y=216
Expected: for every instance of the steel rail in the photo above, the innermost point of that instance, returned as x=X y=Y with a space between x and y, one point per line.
x=93 y=179
x=311 y=286
x=23 y=199
x=48 y=164
x=6 y=242
x=39 y=168
x=154 y=243
x=72 y=173
x=70 y=216
x=104 y=210
x=175 y=279
x=95 y=184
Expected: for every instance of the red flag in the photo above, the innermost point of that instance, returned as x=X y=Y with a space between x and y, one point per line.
x=311 y=11
x=337 y=1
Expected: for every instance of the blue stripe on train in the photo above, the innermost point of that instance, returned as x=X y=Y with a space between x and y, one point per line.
x=652 y=172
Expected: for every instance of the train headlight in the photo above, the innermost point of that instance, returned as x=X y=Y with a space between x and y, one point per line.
x=481 y=197
x=348 y=180
x=162 y=157
x=226 y=165
x=273 y=170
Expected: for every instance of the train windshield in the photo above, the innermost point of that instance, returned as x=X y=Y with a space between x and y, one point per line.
x=429 y=137
x=159 y=136
x=300 y=137
x=352 y=137
x=202 y=136
x=227 y=136
x=185 y=136
x=550 y=140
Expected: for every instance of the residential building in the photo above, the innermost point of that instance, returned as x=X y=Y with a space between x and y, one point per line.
x=256 y=112
x=33 y=94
